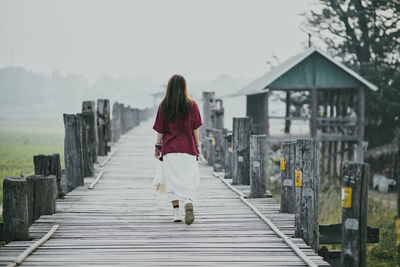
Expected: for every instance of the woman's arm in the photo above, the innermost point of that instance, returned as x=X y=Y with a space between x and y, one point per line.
x=196 y=138
x=157 y=153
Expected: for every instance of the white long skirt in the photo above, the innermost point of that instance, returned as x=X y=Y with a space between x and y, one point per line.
x=177 y=177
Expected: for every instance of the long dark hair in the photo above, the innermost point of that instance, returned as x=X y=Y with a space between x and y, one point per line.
x=176 y=100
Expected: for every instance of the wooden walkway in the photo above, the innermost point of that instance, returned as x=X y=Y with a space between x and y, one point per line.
x=120 y=222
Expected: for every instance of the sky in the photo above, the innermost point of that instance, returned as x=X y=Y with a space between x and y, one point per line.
x=151 y=38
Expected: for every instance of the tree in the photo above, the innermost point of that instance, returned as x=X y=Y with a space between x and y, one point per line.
x=366 y=35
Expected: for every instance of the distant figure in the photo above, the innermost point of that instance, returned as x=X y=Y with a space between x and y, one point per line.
x=351 y=122
x=177 y=147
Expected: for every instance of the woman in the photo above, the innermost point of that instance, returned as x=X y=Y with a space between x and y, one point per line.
x=177 y=125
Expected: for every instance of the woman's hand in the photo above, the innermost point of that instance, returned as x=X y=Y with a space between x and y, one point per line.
x=157 y=153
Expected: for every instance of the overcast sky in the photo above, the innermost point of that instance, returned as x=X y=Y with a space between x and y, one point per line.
x=150 y=38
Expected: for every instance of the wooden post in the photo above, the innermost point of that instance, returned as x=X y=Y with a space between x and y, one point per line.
x=360 y=124
x=87 y=148
x=287 y=167
x=287 y=113
x=41 y=197
x=217 y=115
x=73 y=152
x=259 y=155
x=116 y=122
x=89 y=107
x=228 y=156
x=49 y=165
x=314 y=112
x=306 y=182
x=103 y=125
x=242 y=129
x=354 y=213
x=219 y=150
x=15 y=209
x=208 y=105
x=266 y=114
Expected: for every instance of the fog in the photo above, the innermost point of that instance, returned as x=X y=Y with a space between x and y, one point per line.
x=55 y=54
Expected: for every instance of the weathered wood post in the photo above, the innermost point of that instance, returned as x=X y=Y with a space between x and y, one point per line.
x=210 y=145
x=228 y=156
x=287 y=167
x=354 y=213
x=242 y=128
x=15 y=209
x=89 y=107
x=73 y=152
x=103 y=126
x=41 y=200
x=49 y=165
x=218 y=144
x=258 y=166
x=116 y=118
x=87 y=149
x=217 y=115
x=306 y=181
x=208 y=105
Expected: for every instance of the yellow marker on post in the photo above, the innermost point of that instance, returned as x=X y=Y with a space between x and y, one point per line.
x=346 y=197
x=299 y=178
x=213 y=141
x=398 y=231
x=282 y=163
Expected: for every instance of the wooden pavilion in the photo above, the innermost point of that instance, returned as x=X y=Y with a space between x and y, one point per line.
x=335 y=98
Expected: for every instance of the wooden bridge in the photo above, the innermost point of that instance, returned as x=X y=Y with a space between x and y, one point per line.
x=120 y=223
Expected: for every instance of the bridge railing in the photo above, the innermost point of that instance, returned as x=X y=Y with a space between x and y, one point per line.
x=245 y=159
x=88 y=135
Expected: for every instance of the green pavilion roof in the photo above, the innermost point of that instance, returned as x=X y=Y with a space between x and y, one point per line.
x=297 y=73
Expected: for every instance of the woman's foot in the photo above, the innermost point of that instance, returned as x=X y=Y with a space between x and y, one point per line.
x=177 y=215
x=189 y=214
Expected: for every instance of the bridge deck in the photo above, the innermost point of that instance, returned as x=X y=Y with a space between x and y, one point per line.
x=119 y=222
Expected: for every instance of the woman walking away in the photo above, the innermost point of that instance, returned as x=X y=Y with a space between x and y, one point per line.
x=177 y=147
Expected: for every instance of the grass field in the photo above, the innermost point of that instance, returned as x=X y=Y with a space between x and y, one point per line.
x=21 y=139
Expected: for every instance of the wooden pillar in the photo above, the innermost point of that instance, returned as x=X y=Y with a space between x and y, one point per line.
x=314 y=112
x=41 y=198
x=287 y=113
x=90 y=107
x=360 y=124
x=259 y=154
x=208 y=105
x=73 y=152
x=217 y=115
x=103 y=126
x=354 y=213
x=307 y=183
x=242 y=128
x=49 y=165
x=219 y=150
x=266 y=114
x=15 y=209
x=228 y=156
x=287 y=167
x=87 y=145
x=116 y=122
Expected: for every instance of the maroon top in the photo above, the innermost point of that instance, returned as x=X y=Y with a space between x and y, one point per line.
x=178 y=134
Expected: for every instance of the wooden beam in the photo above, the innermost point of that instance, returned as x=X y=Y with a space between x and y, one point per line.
x=332 y=234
